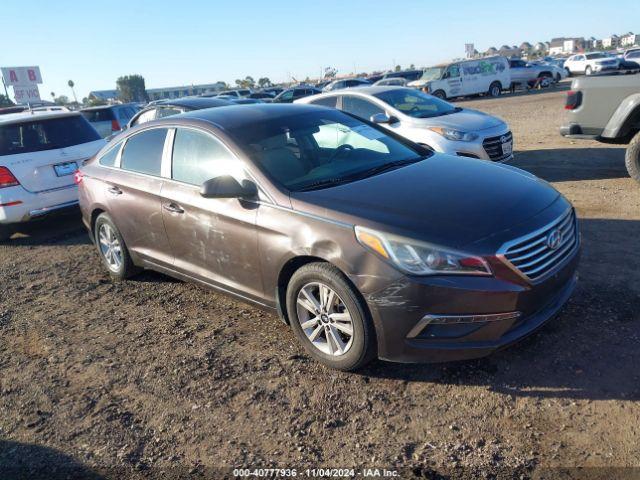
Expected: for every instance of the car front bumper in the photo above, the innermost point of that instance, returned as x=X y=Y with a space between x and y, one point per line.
x=475 y=315
x=476 y=148
x=18 y=205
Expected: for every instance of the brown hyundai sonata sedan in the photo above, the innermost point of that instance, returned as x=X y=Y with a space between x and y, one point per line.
x=366 y=244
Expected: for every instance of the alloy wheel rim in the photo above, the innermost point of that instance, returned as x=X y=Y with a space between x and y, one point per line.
x=325 y=319
x=110 y=247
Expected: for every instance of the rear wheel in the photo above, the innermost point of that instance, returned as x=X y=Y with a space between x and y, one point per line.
x=329 y=317
x=632 y=158
x=440 y=94
x=495 y=89
x=568 y=72
x=5 y=233
x=112 y=249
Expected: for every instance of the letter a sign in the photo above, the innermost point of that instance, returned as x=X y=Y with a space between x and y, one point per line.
x=24 y=81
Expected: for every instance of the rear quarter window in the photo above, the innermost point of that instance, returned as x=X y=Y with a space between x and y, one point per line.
x=143 y=152
x=109 y=158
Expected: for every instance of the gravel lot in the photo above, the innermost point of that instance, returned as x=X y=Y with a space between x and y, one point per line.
x=158 y=378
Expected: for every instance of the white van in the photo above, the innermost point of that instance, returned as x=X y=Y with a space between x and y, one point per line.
x=488 y=75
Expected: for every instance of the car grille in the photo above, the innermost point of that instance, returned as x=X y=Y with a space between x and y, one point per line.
x=532 y=254
x=493 y=146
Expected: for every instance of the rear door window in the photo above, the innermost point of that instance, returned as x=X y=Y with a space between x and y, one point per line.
x=198 y=157
x=143 y=152
x=326 y=102
x=167 y=112
x=360 y=107
x=146 y=117
x=50 y=134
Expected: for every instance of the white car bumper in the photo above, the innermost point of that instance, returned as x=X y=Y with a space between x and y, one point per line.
x=18 y=205
x=489 y=145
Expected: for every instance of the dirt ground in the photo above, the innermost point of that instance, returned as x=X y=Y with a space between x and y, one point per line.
x=163 y=379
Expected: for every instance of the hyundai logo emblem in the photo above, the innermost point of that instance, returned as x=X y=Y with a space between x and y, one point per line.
x=554 y=239
x=504 y=139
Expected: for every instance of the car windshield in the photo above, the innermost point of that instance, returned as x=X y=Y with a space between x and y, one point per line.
x=315 y=150
x=50 y=134
x=432 y=73
x=591 y=56
x=416 y=104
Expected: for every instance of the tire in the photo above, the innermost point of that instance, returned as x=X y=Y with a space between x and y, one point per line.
x=5 y=233
x=347 y=352
x=440 y=94
x=568 y=72
x=558 y=77
x=546 y=79
x=587 y=70
x=495 y=89
x=108 y=239
x=632 y=158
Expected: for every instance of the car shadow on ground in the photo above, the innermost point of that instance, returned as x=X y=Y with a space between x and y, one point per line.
x=60 y=229
x=36 y=462
x=589 y=351
x=573 y=164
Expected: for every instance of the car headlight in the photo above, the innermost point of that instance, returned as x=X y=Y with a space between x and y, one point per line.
x=420 y=258
x=456 y=135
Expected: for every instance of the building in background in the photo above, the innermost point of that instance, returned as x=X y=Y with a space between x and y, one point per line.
x=629 y=40
x=611 y=42
x=184 y=91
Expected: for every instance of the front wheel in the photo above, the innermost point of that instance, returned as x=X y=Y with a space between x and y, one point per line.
x=112 y=249
x=632 y=158
x=329 y=317
x=440 y=94
x=495 y=89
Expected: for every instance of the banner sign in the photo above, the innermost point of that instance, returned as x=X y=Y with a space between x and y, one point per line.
x=21 y=75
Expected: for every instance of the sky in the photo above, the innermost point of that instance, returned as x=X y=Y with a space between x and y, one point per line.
x=173 y=43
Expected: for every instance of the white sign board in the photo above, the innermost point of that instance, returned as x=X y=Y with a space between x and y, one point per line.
x=21 y=75
x=26 y=93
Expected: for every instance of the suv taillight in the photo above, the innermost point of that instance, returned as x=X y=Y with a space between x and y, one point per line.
x=574 y=100
x=7 y=179
x=115 y=126
x=77 y=177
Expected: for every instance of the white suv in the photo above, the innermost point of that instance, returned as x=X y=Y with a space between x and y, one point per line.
x=589 y=63
x=39 y=155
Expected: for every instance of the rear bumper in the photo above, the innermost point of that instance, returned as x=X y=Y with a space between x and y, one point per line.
x=573 y=130
x=496 y=313
x=23 y=206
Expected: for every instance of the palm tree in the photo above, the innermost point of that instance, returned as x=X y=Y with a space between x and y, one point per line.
x=53 y=96
x=71 y=85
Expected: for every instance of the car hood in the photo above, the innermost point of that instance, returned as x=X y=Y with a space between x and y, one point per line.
x=445 y=200
x=466 y=120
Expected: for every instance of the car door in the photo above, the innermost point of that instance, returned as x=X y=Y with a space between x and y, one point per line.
x=579 y=64
x=134 y=196
x=454 y=82
x=212 y=239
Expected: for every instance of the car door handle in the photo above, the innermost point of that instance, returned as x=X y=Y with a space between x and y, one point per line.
x=114 y=191
x=173 y=208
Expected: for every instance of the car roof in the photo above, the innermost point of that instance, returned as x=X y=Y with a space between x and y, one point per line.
x=106 y=107
x=28 y=116
x=370 y=90
x=194 y=103
x=236 y=116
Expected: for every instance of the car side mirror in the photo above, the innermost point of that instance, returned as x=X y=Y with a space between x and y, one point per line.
x=225 y=186
x=381 y=118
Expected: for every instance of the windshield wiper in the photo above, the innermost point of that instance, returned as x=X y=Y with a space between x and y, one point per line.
x=388 y=166
x=329 y=182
